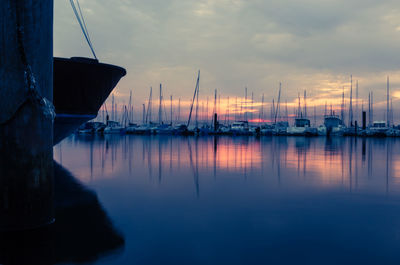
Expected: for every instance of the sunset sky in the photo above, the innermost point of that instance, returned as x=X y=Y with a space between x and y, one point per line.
x=305 y=44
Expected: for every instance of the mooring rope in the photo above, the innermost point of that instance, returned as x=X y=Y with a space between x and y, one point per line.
x=33 y=93
x=82 y=24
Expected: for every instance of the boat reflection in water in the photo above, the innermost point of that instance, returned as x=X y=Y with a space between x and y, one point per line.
x=245 y=200
x=82 y=231
x=327 y=161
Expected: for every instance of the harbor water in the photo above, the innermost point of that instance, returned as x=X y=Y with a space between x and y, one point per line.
x=242 y=200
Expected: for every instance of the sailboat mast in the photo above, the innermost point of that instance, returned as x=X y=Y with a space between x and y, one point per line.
x=132 y=114
x=305 y=103
x=207 y=111
x=144 y=114
x=112 y=109
x=372 y=107
x=279 y=100
x=236 y=107
x=149 y=107
x=342 y=108
x=391 y=111
x=277 y=105
x=130 y=106
x=315 y=115
x=245 y=103
x=387 y=102
x=351 y=102
x=261 y=115
x=179 y=110
x=116 y=112
x=252 y=102
x=273 y=110
x=227 y=118
x=369 y=109
x=197 y=107
x=194 y=97
x=171 y=109
x=241 y=110
x=357 y=115
x=160 y=107
x=219 y=104
x=126 y=115
x=299 y=107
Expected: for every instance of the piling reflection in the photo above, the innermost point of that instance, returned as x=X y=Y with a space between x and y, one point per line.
x=82 y=232
x=348 y=163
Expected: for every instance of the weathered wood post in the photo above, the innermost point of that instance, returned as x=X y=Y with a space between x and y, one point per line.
x=26 y=113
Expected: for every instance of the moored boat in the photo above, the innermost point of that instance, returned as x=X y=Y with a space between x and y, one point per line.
x=378 y=128
x=164 y=129
x=182 y=129
x=91 y=128
x=240 y=128
x=333 y=125
x=302 y=127
x=114 y=127
x=81 y=85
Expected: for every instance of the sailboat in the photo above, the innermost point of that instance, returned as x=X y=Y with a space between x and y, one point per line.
x=184 y=128
x=162 y=128
x=241 y=127
x=302 y=125
x=381 y=128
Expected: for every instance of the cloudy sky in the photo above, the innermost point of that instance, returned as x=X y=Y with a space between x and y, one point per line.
x=312 y=45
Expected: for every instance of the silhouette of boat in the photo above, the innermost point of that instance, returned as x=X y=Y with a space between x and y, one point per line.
x=81 y=85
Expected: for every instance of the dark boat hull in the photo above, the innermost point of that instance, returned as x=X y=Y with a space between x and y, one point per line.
x=81 y=86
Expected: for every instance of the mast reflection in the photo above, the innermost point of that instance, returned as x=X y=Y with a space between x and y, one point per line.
x=327 y=162
x=194 y=167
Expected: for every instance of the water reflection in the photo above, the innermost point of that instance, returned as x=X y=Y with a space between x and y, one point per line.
x=245 y=200
x=321 y=162
x=82 y=231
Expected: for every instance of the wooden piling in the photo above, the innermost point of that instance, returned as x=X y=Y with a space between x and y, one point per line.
x=26 y=114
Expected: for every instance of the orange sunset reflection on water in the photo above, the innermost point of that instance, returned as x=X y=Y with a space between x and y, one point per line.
x=347 y=163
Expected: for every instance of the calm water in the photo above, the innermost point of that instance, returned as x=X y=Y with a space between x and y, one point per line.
x=225 y=200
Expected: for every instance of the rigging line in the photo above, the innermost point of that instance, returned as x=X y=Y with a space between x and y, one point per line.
x=84 y=23
x=83 y=19
x=79 y=20
x=77 y=16
x=82 y=28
